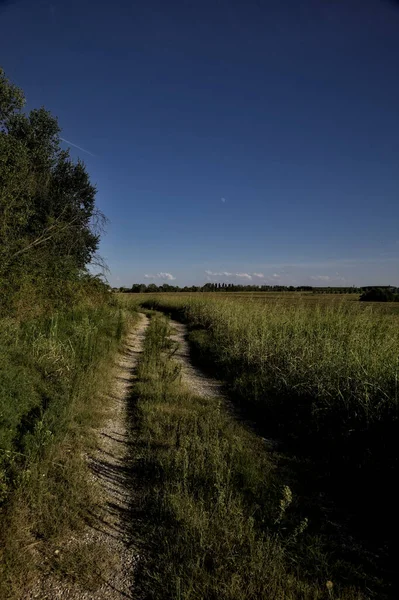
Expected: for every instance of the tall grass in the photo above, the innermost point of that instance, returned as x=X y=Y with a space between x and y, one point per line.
x=343 y=357
x=52 y=370
x=340 y=357
x=219 y=516
x=321 y=378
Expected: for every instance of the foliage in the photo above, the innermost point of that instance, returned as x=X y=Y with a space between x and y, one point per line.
x=49 y=224
x=378 y=295
x=142 y=288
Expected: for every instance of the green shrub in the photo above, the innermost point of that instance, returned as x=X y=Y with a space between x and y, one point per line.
x=377 y=295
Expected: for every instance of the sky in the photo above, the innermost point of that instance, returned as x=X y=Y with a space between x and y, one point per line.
x=233 y=141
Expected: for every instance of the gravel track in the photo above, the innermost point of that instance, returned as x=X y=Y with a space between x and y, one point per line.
x=110 y=472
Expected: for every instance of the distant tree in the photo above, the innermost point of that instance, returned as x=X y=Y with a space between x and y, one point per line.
x=166 y=287
x=138 y=288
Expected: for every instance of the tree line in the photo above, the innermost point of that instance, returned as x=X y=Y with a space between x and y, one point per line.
x=142 y=288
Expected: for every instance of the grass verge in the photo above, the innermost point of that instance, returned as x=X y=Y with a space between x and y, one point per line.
x=221 y=522
x=52 y=373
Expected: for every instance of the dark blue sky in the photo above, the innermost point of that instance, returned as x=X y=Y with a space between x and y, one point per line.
x=228 y=137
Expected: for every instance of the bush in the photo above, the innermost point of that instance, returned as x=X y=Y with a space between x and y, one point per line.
x=377 y=295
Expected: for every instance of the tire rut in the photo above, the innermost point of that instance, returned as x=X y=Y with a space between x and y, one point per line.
x=110 y=472
x=192 y=377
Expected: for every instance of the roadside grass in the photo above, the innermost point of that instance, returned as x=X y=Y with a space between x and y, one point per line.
x=53 y=371
x=219 y=519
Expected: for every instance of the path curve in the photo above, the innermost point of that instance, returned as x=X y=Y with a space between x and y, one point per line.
x=109 y=467
x=198 y=383
x=203 y=385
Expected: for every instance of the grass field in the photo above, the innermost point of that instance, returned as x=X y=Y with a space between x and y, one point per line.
x=341 y=356
x=308 y=512
x=218 y=520
x=319 y=375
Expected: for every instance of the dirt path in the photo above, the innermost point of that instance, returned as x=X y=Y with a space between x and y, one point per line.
x=193 y=378
x=109 y=468
x=202 y=385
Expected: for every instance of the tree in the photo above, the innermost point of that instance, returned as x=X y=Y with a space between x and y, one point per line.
x=12 y=98
x=152 y=288
x=49 y=223
x=138 y=288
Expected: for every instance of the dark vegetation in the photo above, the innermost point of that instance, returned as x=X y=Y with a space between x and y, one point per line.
x=152 y=288
x=59 y=328
x=379 y=295
x=370 y=294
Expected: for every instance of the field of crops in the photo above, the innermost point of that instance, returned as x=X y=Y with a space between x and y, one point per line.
x=319 y=375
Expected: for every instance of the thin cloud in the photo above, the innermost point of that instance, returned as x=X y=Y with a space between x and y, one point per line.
x=227 y=274
x=260 y=275
x=76 y=146
x=164 y=276
x=223 y=200
x=336 y=277
x=220 y=273
x=320 y=277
